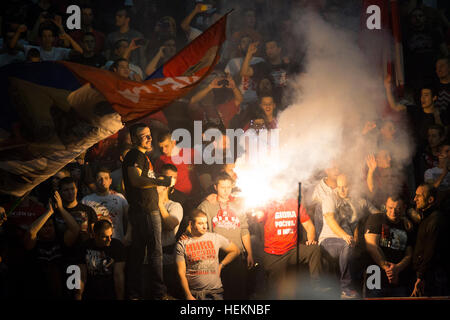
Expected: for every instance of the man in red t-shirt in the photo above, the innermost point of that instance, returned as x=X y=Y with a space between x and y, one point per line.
x=280 y=242
x=183 y=159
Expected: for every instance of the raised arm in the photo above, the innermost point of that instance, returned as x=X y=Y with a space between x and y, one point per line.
x=390 y=96
x=65 y=36
x=31 y=236
x=246 y=70
x=73 y=229
x=372 y=165
x=14 y=42
x=186 y=23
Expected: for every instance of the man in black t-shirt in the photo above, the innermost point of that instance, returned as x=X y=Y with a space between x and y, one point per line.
x=389 y=240
x=102 y=265
x=140 y=188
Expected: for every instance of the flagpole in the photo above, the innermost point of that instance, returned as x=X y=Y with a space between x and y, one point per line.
x=298 y=224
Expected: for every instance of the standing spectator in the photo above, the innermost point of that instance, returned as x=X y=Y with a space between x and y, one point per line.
x=47 y=34
x=11 y=53
x=171 y=215
x=430 y=257
x=84 y=215
x=87 y=19
x=197 y=259
x=89 y=57
x=102 y=266
x=124 y=32
x=166 y=51
x=140 y=187
x=47 y=250
x=109 y=205
x=389 y=241
x=226 y=216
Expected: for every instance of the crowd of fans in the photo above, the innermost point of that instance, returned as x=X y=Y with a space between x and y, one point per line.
x=141 y=226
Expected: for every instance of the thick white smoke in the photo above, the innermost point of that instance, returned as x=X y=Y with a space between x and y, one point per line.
x=335 y=96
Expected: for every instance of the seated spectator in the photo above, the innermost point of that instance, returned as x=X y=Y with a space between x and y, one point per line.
x=389 y=241
x=439 y=176
x=343 y=214
x=110 y=205
x=87 y=19
x=430 y=257
x=197 y=258
x=122 y=50
x=89 y=57
x=102 y=264
x=124 y=31
x=47 y=34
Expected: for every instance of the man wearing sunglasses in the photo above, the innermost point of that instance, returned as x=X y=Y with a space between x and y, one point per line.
x=145 y=218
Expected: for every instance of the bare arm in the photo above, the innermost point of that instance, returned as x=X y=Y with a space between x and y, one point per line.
x=374 y=250
x=390 y=96
x=153 y=64
x=14 y=42
x=232 y=252
x=246 y=241
x=119 y=280
x=336 y=228
x=197 y=97
x=65 y=36
x=185 y=24
x=31 y=236
x=139 y=181
x=246 y=70
x=310 y=232
x=372 y=165
x=181 y=268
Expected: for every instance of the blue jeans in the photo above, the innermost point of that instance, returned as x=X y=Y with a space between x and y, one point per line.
x=338 y=248
x=146 y=239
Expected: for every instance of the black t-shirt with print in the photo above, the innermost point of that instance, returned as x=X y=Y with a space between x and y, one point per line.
x=100 y=268
x=137 y=197
x=394 y=238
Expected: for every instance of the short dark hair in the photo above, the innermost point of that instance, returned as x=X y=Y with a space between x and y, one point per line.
x=221 y=177
x=115 y=65
x=395 y=197
x=164 y=135
x=103 y=169
x=66 y=180
x=431 y=190
x=135 y=127
x=168 y=166
x=430 y=87
x=47 y=26
x=117 y=43
x=102 y=225
x=195 y=213
x=33 y=53
x=263 y=94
